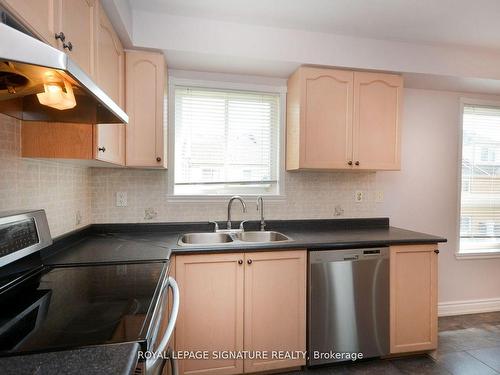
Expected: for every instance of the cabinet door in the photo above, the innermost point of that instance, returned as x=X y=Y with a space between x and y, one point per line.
x=77 y=22
x=275 y=307
x=110 y=76
x=39 y=16
x=326 y=125
x=377 y=103
x=413 y=295
x=145 y=91
x=211 y=311
x=109 y=143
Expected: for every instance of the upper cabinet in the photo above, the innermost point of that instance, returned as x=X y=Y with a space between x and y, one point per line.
x=65 y=24
x=145 y=80
x=340 y=119
x=110 y=76
x=40 y=16
x=76 y=29
x=377 y=103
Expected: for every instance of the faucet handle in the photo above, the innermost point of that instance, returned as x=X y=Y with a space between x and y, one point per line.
x=242 y=225
x=216 y=225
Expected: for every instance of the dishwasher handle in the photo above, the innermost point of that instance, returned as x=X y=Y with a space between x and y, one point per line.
x=348 y=255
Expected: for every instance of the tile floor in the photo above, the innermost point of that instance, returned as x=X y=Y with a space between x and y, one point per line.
x=468 y=345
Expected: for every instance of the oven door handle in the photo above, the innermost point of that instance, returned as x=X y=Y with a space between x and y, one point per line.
x=153 y=363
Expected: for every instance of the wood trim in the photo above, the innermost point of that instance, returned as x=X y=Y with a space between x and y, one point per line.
x=413 y=298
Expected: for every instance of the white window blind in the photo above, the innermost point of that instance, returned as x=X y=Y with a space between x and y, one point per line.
x=480 y=195
x=226 y=142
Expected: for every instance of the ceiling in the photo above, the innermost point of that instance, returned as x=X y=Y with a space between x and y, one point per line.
x=457 y=22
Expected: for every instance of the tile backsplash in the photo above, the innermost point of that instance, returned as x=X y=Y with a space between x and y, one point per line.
x=62 y=189
x=308 y=195
x=74 y=196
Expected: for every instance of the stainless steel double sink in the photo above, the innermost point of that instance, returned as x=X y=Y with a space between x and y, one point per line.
x=217 y=238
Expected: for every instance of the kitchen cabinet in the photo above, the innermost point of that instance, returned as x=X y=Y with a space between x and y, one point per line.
x=275 y=307
x=343 y=120
x=241 y=301
x=84 y=24
x=55 y=140
x=377 y=103
x=145 y=89
x=77 y=21
x=39 y=16
x=110 y=76
x=211 y=310
x=413 y=298
x=66 y=24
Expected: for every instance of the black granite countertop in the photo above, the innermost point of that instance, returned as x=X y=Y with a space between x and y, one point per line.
x=155 y=241
x=119 y=359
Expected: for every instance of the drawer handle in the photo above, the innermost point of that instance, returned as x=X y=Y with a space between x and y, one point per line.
x=103 y=149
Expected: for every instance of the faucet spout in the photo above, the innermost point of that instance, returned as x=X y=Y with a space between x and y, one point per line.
x=260 y=207
x=230 y=204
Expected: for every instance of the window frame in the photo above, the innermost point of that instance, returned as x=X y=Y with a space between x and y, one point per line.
x=479 y=254
x=222 y=84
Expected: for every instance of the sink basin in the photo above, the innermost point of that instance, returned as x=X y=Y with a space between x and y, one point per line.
x=204 y=238
x=262 y=236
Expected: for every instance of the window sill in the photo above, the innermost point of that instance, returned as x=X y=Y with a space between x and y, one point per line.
x=494 y=253
x=222 y=198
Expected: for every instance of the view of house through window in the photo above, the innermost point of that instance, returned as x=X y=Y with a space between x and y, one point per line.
x=226 y=142
x=480 y=192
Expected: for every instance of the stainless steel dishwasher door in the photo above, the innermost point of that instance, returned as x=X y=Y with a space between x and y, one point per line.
x=348 y=307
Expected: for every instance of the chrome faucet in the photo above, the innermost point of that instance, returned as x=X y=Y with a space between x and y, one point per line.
x=260 y=207
x=236 y=197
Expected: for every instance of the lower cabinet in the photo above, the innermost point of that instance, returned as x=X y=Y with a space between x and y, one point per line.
x=413 y=296
x=241 y=302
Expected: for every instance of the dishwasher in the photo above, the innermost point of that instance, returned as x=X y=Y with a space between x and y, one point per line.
x=348 y=304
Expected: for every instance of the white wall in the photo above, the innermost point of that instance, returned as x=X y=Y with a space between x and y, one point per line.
x=423 y=196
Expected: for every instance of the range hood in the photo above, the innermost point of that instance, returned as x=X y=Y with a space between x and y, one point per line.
x=26 y=65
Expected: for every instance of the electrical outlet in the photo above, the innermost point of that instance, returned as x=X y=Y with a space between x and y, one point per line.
x=379 y=196
x=359 y=196
x=121 y=199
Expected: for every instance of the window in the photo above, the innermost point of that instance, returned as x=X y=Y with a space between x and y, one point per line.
x=480 y=193
x=226 y=142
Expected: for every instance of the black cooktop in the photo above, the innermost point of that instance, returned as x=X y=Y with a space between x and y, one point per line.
x=60 y=308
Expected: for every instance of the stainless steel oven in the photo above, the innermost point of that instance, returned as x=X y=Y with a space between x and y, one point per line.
x=65 y=306
x=162 y=330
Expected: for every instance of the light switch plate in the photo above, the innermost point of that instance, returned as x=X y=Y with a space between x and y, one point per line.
x=121 y=199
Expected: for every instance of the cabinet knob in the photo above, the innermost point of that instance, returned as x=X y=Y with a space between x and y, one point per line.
x=349 y=162
x=357 y=163
x=436 y=251
x=103 y=149
x=60 y=36
x=240 y=261
x=158 y=159
x=68 y=46
x=249 y=261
